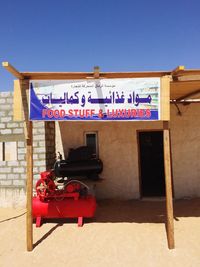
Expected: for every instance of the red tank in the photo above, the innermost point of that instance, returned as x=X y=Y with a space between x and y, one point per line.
x=65 y=208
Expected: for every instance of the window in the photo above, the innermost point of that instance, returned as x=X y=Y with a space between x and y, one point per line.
x=91 y=140
x=8 y=151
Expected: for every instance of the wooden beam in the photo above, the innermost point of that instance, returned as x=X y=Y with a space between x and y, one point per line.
x=29 y=188
x=178 y=70
x=85 y=75
x=12 y=70
x=185 y=102
x=189 y=72
x=196 y=92
x=168 y=186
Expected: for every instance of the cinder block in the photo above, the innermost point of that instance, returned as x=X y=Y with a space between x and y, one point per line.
x=41 y=143
x=23 y=176
x=3 y=176
x=20 y=144
x=39 y=163
x=9 y=100
x=19 y=182
x=5 y=107
x=39 y=150
x=13 y=163
x=12 y=125
x=2 y=100
x=2 y=163
x=5 y=182
x=6 y=119
x=35 y=156
x=35 y=170
x=23 y=163
x=35 y=144
x=2 y=114
x=21 y=151
x=6 y=94
x=21 y=157
x=40 y=130
x=42 y=156
x=18 y=131
x=38 y=124
x=38 y=137
x=19 y=170
x=13 y=176
x=2 y=125
x=6 y=131
x=42 y=169
x=36 y=177
x=5 y=170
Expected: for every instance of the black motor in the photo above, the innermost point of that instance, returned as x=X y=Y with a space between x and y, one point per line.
x=80 y=162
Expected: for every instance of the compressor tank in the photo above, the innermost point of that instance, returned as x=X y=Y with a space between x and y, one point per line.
x=67 y=208
x=80 y=162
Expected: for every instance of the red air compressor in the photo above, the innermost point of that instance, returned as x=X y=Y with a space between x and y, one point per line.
x=62 y=198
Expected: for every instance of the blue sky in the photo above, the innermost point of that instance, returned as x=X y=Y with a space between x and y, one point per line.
x=116 y=35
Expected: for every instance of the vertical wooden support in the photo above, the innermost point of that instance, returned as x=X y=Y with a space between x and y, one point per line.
x=17 y=101
x=168 y=186
x=28 y=131
x=96 y=72
x=29 y=188
x=165 y=98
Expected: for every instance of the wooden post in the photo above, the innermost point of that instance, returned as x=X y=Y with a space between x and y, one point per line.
x=168 y=186
x=96 y=72
x=29 y=188
x=28 y=131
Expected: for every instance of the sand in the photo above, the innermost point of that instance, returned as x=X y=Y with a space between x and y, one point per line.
x=123 y=233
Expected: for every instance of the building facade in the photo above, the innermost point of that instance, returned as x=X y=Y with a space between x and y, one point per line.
x=122 y=146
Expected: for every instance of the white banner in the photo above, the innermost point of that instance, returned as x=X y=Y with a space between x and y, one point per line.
x=95 y=99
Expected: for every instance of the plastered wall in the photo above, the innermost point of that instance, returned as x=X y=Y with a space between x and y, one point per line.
x=185 y=141
x=118 y=149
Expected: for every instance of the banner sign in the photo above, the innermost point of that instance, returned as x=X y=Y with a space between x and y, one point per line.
x=95 y=99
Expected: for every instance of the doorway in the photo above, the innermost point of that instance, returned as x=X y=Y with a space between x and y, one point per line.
x=151 y=160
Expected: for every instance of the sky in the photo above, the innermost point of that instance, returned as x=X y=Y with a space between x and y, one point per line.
x=115 y=35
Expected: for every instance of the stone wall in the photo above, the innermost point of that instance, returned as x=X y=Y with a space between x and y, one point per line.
x=13 y=173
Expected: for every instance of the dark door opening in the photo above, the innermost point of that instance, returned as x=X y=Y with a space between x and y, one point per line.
x=151 y=164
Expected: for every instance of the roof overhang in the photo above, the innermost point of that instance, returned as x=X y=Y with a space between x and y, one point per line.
x=184 y=85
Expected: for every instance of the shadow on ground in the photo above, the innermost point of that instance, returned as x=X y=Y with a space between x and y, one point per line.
x=138 y=211
x=134 y=211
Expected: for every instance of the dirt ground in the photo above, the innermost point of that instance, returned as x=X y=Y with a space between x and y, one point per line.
x=123 y=233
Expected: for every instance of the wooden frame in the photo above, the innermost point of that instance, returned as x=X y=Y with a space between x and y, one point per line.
x=23 y=89
x=168 y=186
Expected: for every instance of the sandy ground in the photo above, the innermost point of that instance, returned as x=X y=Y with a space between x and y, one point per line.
x=129 y=233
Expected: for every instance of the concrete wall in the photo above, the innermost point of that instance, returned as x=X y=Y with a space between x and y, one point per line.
x=185 y=138
x=118 y=150
x=13 y=173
